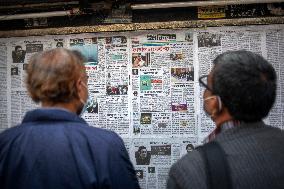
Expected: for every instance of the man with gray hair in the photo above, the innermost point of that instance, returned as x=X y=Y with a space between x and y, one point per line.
x=243 y=151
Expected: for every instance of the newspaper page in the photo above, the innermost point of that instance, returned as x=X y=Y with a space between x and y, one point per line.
x=209 y=46
x=162 y=80
x=18 y=55
x=108 y=80
x=4 y=87
x=212 y=42
x=275 y=55
x=153 y=158
x=88 y=46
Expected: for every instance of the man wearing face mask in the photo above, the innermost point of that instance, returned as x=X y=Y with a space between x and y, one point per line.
x=53 y=147
x=239 y=92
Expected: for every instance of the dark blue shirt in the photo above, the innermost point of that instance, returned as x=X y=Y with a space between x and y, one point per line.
x=56 y=149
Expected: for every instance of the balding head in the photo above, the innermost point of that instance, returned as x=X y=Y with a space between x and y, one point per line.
x=52 y=75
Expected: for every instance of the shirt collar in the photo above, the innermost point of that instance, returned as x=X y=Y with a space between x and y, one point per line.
x=223 y=127
x=51 y=114
x=228 y=125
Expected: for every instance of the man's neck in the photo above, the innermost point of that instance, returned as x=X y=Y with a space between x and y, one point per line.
x=68 y=106
x=222 y=117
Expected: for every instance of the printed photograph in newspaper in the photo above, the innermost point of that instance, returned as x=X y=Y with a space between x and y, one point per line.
x=90 y=52
x=117 y=90
x=179 y=107
x=146 y=118
x=182 y=74
x=140 y=60
x=139 y=174
x=206 y=39
x=142 y=156
x=145 y=82
x=25 y=66
x=92 y=106
x=14 y=71
x=18 y=55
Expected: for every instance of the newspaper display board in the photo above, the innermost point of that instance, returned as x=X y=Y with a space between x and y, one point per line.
x=144 y=85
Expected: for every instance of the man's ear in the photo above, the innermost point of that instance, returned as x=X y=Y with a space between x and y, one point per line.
x=79 y=87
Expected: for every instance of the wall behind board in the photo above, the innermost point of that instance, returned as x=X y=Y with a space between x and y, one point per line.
x=144 y=84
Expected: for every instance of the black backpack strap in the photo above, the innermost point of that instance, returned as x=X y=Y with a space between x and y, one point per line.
x=216 y=166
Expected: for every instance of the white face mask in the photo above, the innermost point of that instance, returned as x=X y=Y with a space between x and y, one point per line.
x=85 y=104
x=219 y=104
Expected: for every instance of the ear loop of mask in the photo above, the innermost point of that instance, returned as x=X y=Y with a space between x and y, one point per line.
x=219 y=101
x=84 y=85
x=85 y=104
